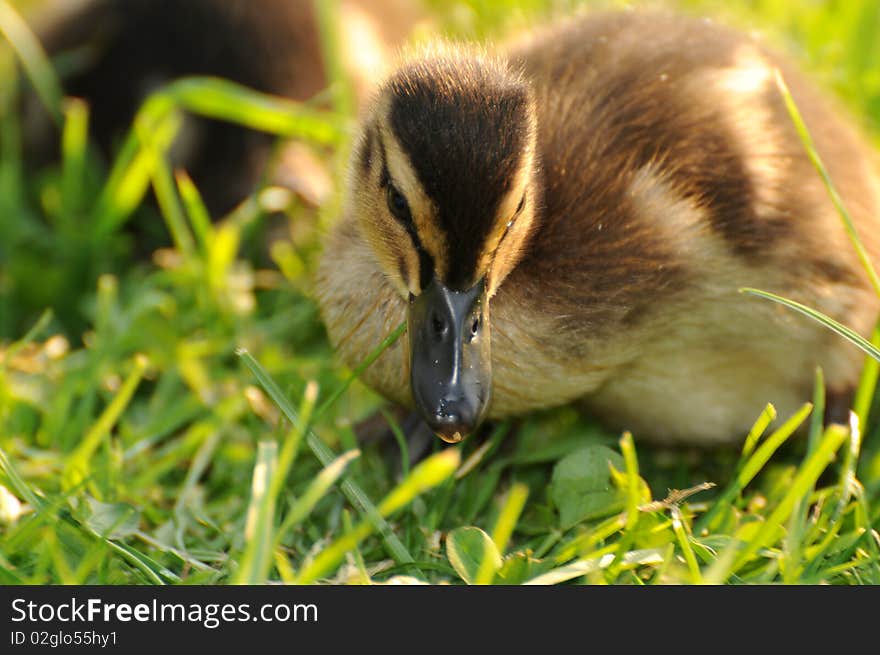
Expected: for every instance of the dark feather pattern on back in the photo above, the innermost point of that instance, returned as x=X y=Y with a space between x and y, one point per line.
x=638 y=105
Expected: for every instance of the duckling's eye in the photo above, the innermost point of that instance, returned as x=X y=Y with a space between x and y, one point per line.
x=474 y=330
x=397 y=204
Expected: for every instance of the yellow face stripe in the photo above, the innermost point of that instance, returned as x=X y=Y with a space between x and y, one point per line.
x=422 y=209
x=397 y=244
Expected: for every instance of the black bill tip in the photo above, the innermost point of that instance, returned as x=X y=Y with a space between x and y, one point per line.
x=450 y=372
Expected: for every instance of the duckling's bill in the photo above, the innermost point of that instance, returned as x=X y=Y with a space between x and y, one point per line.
x=450 y=357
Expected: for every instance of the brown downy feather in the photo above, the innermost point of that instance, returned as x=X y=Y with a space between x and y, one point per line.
x=666 y=176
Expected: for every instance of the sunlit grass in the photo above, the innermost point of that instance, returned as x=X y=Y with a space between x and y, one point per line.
x=136 y=447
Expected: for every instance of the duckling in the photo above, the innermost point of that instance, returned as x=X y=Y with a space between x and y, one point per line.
x=121 y=50
x=569 y=220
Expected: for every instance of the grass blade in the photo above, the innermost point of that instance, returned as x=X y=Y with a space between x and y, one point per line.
x=760 y=425
x=130 y=176
x=363 y=366
x=427 y=475
x=633 y=500
x=51 y=512
x=806 y=477
x=329 y=22
x=684 y=541
x=316 y=490
x=221 y=99
x=9 y=354
x=400 y=438
x=169 y=203
x=848 y=334
x=792 y=547
x=295 y=437
x=867 y=383
x=154 y=130
x=509 y=515
x=270 y=473
x=325 y=455
x=848 y=483
x=199 y=218
x=257 y=558
x=33 y=58
x=813 y=154
x=18 y=484
x=750 y=467
x=77 y=465
x=817 y=419
x=491 y=559
x=597 y=563
x=74 y=143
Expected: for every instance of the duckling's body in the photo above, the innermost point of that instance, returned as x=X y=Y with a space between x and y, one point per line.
x=665 y=176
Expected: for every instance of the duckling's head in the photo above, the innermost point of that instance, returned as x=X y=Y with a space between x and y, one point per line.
x=443 y=186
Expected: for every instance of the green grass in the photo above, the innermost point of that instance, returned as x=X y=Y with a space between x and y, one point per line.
x=183 y=419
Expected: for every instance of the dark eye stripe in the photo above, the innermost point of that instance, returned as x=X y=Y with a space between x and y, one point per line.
x=385 y=183
x=426 y=262
x=397 y=204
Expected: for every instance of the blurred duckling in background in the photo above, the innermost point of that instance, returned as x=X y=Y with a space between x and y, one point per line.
x=118 y=51
x=571 y=220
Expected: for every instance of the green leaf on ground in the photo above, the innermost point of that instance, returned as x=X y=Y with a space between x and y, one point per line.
x=581 y=487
